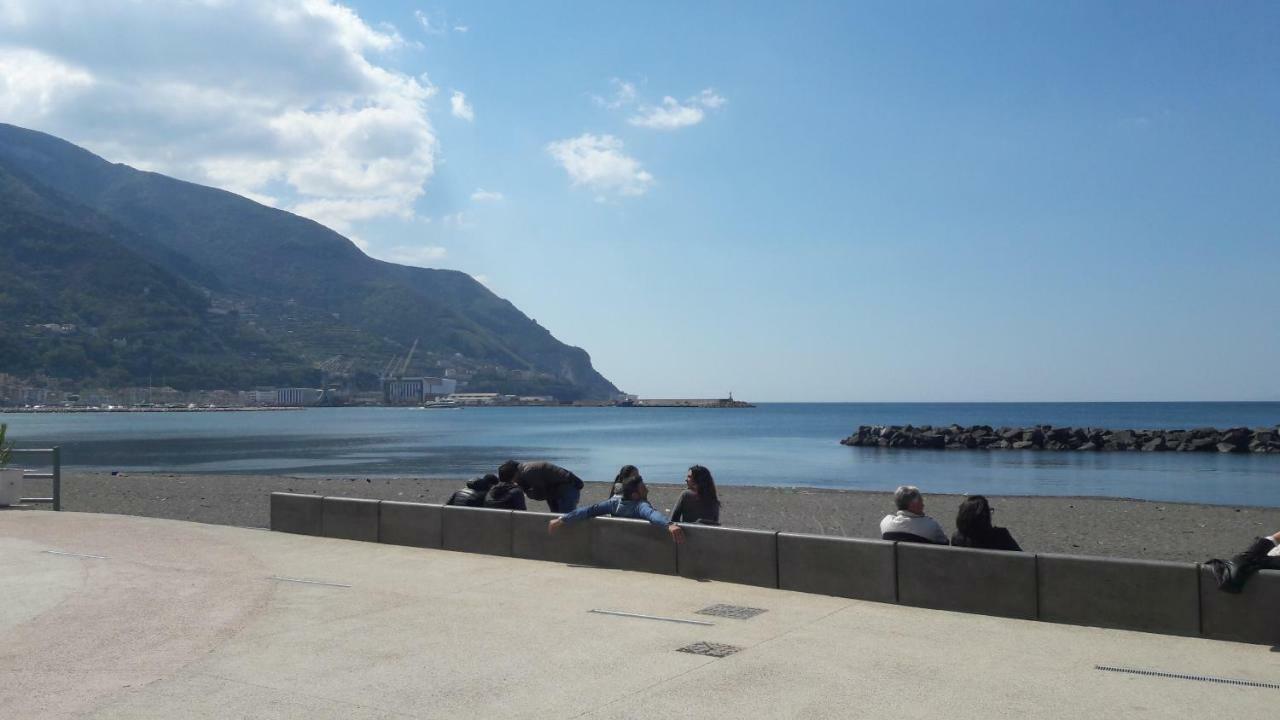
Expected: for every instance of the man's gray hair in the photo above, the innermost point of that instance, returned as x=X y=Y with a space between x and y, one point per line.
x=905 y=495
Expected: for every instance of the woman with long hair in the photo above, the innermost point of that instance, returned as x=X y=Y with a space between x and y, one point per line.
x=974 y=528
x=699 y=503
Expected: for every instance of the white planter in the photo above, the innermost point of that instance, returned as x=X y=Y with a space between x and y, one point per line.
x=10 y=486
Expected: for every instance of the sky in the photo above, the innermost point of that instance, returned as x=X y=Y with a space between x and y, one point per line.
x=844 y=201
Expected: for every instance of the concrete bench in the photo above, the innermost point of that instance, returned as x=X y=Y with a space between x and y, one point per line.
x=349 y=518
x=530 y=540
x=987 y=582
x=476 y=530
x=1148 y=595
x=843 y=567
x=632 y=545
x=747 y=557
x=1253 y=616
x=296 y=513
x=412 y=524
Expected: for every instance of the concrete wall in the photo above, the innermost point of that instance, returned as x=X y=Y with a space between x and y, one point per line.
x=412 y=524
x=632 y=545
x=988 y=582
x=349 y=518
x=477 y=530
x=747 y=557
x=1160 y=597
x=1252 y=616
x=844 y=567
x=294 y=513
x=530 y=540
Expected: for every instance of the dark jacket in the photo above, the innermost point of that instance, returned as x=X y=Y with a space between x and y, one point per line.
x=505 y=496
x=998 y=539
x=473 y=494
x=539 y=480
x=691 y=509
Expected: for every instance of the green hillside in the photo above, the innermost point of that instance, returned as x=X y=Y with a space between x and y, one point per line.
x=208 y=289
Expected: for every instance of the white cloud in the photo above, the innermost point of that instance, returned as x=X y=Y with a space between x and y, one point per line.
x=457 y=221
x=436 y=23
x=460 y=108
x=597 y=162
x=482 y=195
x=416 y=255
x=624 y=93
x=672 y=114
x=301 y=114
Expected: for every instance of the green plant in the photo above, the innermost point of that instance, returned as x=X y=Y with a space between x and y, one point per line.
x=5 y=448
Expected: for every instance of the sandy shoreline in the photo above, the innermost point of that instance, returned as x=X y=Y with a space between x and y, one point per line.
x=1083 y=526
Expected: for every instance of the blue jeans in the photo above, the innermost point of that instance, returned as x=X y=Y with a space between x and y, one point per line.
x=565 y=500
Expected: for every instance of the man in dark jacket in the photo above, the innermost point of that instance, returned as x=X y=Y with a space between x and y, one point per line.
x=505 y=496
x=474 y=493
x=560 y=488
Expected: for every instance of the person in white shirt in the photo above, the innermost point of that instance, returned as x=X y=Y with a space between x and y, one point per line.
x=910 y=524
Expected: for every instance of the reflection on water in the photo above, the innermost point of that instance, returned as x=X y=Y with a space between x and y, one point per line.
x=787 y=444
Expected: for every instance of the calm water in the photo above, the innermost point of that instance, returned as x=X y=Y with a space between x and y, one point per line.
x=774 y=444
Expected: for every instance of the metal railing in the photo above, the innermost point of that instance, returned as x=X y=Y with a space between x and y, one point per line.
x=54 y=474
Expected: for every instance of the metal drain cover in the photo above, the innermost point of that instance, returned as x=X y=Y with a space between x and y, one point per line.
x=709 y=649
x=736 y=612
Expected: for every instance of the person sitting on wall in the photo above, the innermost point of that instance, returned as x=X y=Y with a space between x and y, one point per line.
x=910 y=524
x=632 y=503
x=560 y=488
x=505 y=496
x=624 y=473
x=474 y=493
x=699 y=503
x=1262 y=554
x=974 y=529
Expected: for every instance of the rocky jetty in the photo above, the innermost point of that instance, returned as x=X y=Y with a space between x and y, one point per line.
x=1047 y=437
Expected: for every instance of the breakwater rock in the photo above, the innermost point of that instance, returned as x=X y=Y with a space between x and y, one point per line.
x=1047 y=437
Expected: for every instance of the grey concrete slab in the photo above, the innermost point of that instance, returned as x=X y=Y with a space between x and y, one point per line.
x=296 y=513
x=988 y=582
x=632 y=545
x=411 y=524
x=530 y=539
x=1253 y=616
x=476 y=530
x=349 y=518
x=747 y=557
x=1147 y=595
x=844 y=567
x=182 y=621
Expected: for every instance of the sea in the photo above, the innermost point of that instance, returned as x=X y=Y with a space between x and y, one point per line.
x=774 y=444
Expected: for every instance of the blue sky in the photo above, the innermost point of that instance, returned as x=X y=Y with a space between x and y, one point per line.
x=839 y=201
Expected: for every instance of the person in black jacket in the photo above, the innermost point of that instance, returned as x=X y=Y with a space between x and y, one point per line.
x=1262 y=554
x=505 y=496
x=974 y=529
x=474 y=493
x=560 y=488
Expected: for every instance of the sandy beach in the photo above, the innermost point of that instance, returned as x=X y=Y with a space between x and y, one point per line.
x=1082 y=526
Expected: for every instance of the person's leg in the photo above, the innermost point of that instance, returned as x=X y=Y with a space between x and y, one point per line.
x=569 y=497
x=1232 y=575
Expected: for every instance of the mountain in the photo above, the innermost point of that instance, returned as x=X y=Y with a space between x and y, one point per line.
x=113 y=275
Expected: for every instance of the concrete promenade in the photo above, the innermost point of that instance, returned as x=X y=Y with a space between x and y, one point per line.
x=107 y=616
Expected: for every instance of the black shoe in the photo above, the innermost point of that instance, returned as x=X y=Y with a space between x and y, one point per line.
x=1224 y=572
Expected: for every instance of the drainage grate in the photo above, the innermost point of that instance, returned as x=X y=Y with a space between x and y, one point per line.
x=736 y=612
x=709 y=649
x=1179 y=676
